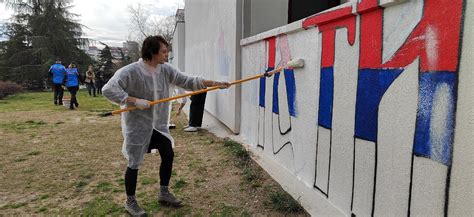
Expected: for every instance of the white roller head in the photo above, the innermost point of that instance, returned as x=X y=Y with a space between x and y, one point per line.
x=296 y=63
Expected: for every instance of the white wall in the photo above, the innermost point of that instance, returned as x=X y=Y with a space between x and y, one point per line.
x=179 y=45
x=382 y=121
x=378 y=121
x=213 y=51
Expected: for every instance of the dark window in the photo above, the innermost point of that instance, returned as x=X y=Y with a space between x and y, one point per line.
x=299 y=9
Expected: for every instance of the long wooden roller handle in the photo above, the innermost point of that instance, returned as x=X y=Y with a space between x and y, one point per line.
x=270 y=73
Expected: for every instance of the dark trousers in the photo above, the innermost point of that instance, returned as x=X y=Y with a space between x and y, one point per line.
x=98 y=85
x=196 y=110
x=163 y=144
x=73 y=92
x=58 y=93
x=91 y=88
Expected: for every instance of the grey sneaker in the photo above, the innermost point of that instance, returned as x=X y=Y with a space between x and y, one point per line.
x=167 y=198
x=133 y=209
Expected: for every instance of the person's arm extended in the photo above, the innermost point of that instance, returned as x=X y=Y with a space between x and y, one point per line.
x=211 y=83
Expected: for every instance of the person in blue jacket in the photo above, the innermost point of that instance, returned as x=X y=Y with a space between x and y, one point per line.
x=57 y=72
x=72 y=84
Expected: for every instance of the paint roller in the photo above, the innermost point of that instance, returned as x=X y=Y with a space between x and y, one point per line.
x=292 y=64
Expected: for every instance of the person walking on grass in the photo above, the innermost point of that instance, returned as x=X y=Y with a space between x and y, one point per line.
x=146 y=128
x=72 y=84
x=90 y=80
x=57 y=73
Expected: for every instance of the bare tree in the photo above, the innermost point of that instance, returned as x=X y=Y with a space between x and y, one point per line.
x=142 y=24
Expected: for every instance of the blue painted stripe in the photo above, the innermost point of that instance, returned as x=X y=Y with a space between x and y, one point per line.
x=434 y=131
x=290 y=91
x=371 y=86
x=326 y=97
x=275 y=106
x=261 y=101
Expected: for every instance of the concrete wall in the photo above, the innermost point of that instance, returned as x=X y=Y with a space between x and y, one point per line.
x=179 y=45
x=379 y=121
x=213 y=31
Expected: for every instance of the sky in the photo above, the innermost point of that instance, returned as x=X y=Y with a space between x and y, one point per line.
x=108 y=20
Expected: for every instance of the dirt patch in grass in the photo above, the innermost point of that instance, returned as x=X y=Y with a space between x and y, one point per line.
x=57 y=161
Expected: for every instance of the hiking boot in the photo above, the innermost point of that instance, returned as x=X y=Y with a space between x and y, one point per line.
x=167 y=198
x=191 y=129
x=133 y=209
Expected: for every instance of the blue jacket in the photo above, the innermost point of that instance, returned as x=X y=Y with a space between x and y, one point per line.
x=72 y=79
x=58 y=72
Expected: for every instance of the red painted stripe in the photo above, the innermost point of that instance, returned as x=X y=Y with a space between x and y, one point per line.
x=367 y=5
x=328 y=17
x=271 y=52
x=435 y=40
x=329 y=38
x=328 y=49
x=371 y=39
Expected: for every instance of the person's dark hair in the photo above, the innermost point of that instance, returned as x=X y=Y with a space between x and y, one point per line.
x=151 y=45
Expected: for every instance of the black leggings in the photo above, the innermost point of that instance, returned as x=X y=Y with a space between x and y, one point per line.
x=58 y=93
x=73 y=92
x=163 y=144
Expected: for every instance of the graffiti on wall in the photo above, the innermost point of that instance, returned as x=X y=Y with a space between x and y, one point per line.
x=380 y=183
x=282 y=88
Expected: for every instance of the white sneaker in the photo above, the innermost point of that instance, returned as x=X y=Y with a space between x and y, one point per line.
x=191 y=129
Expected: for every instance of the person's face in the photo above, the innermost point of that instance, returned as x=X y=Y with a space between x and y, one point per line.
x=162 y=55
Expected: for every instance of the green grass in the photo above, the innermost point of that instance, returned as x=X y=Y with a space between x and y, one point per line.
x=147 y=180
x=41 y=101
x=180 y=184
x=19 y=126
x=104 y=186
x=236 y=149
x=14 y=205
x=282 y=201
x=101 y=206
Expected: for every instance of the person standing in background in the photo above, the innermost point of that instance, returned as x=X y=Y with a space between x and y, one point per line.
x=196 y=112
x=90 y=80
x=99 y=80
x=72 y=84
x=57 y=72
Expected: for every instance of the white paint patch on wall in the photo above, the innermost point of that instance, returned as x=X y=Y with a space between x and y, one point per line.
x=442 y=107
x=431 y=43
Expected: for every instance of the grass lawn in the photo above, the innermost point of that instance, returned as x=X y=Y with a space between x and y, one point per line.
x=69 y=162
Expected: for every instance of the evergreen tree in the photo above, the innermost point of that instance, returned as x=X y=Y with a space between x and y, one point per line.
x=40 y=31
x=106 y=64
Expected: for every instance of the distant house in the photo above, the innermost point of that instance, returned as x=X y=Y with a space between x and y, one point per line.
x=93 y=52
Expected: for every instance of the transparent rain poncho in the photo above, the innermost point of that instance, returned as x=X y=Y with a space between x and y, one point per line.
x=142 y=81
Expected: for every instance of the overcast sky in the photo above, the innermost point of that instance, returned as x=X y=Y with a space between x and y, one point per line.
x=109 y=20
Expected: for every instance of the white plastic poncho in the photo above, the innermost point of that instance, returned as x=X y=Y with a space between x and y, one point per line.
x=142 y=81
